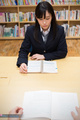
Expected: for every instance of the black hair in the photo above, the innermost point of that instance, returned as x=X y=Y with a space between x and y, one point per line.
x=40 y=11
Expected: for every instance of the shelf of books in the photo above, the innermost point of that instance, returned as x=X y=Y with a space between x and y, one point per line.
x=19 y=14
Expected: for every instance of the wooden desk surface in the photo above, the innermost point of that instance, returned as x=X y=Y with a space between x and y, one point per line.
x=13 y=84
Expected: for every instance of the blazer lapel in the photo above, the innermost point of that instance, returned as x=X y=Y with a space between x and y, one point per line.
x=50 y=36
x=41 y=39
x=49 y=39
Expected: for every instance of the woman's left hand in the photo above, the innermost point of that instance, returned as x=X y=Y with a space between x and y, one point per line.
x=76 y=117
x=37 y=57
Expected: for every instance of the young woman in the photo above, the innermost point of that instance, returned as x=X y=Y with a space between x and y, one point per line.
x=46 y=38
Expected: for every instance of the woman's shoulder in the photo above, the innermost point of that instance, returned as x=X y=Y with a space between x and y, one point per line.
x=60 y=28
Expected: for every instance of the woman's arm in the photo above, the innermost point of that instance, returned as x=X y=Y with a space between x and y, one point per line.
x=24 y=50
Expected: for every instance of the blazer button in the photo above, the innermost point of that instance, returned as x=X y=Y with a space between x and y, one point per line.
x=44 y=51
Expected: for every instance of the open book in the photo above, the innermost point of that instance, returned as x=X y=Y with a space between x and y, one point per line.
x=43 y=105
x=42 y=66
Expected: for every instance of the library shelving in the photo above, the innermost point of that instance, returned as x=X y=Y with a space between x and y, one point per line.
x=30 y=8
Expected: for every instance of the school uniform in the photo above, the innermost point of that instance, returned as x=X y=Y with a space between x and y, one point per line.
x=51 y=48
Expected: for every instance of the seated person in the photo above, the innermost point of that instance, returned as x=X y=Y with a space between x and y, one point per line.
x=46 y=38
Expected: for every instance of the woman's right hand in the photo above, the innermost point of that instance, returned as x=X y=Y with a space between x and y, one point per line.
x=16 y=111
x=23 y=68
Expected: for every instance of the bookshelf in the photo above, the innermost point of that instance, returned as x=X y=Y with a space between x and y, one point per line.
x=30 y=8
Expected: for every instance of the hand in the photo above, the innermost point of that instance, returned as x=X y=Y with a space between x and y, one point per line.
x=17 y=111
x=76 y=117
x=37 y=57
x=23 y=68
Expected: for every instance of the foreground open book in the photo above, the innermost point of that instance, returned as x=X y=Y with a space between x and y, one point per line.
x=43 y=105
x=42 y=66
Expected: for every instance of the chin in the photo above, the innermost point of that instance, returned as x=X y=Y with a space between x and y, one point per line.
x=45 y=28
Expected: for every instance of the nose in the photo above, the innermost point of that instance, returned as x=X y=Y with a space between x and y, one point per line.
x=44 y=21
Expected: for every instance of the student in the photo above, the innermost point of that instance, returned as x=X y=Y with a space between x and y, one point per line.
x=19 y=111
x=46 y=38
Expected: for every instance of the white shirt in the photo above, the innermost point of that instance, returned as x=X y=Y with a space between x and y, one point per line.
x=45 y=33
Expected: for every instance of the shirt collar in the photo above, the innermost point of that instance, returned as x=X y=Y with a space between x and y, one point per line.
x=45 y=32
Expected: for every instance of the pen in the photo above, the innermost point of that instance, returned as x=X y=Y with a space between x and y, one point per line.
x=9 y=116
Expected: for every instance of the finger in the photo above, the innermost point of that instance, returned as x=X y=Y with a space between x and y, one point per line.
x=73 y=115
x=33 y=56
x=17 y=108
x=22 y=71
x=78 y=109
x=24 y=67
x=20 y=111
x=37 y=58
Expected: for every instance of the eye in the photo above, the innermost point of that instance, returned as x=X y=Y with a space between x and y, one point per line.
x=47 y=18
x=41 y=18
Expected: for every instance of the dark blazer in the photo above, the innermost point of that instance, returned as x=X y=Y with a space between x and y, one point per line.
x=53 y=49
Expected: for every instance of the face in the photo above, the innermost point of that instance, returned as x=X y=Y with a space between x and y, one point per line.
x=45 y=23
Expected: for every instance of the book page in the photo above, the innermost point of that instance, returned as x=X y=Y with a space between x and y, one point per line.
x=34 y=66
x=63 y=104
x=49 y=67
x=37 y=104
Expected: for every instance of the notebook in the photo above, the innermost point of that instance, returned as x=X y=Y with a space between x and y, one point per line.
x=42 y=66
x=47 y=105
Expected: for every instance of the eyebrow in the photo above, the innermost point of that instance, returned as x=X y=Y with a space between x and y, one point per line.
x=47 y=16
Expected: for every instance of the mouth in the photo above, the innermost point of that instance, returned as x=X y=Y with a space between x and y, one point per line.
x=45 y=26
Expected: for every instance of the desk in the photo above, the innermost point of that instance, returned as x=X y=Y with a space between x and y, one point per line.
x=13 y=84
